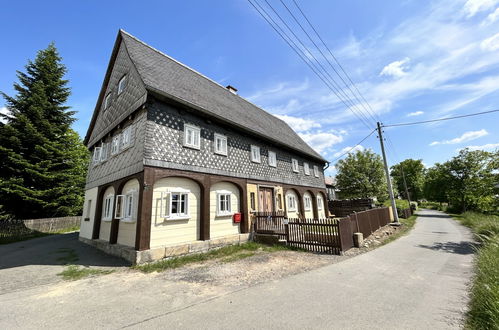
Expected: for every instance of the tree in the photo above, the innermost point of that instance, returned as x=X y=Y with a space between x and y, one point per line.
x=435 y=184
x=43 y=161
x=361 y=175
x=414 y=172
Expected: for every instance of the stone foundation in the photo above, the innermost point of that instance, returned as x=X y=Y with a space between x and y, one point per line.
x=158 y=253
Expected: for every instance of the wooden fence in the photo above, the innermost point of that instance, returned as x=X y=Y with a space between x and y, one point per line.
x=270 y=223
x=317 y=235
x=406 y=213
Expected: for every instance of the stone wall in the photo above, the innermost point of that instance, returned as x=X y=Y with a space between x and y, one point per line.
x=52 y=225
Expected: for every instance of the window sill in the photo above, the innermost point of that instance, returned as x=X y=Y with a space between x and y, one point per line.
x=192 y=147
x=220 y=154
x=128 y=220
x=107 y=220
x=177 y=218
x=224 y=214
x=256 y=162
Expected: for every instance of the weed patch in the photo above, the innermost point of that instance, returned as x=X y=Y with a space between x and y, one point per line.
x=73 y=272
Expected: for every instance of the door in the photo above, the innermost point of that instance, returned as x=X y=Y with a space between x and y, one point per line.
x=266 y=197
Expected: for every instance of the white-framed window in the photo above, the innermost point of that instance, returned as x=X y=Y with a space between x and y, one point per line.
x=306 y=168
x=126 y=137
x=122 y=84
x=320 y=203
x=291 y=202
x=174 y=205
x=255 y=154
x=104 y=152
x=307 y=201
x=316 y=171
x=115 y=145
x=97 y=153
x=294 y=164
x=220 y=144
x=223 y=203
x=107 y=208
x=126 y=206
x=272 y=159
x=107 y=101
x=192 y=136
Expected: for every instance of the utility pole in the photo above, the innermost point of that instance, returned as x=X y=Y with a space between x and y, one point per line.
x=405 y=185
x=387 y=172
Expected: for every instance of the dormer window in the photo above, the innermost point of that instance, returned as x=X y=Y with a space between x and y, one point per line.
x=107 y=101
x=122 y=85
x=192 y=136
x=255 y=154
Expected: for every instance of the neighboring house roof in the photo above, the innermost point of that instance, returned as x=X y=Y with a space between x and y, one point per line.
x=167 y=77
x=330 y=181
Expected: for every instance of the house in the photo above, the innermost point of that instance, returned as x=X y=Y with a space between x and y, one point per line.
x=180 y=162
x=331 y=190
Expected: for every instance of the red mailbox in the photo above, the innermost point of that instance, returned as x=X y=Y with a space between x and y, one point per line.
x=237 y=217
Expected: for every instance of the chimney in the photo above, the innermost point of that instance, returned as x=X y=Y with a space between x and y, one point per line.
x=232 y=89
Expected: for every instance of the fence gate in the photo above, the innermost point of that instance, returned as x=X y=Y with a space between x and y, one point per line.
x=270 y=223
x=317 y=235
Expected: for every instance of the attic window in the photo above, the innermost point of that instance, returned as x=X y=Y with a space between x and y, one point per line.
x=306 y=168
x=192 y=136
x=122 y=85
x=294 y=163
x=255 y=154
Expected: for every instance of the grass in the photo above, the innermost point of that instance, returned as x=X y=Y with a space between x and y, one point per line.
x=225 y=254
x=7 y=238
x=407 y=225
x=484 y=304
x=69 y=257
x=73 y=272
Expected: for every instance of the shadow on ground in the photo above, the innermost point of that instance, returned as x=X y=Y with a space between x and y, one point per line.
x=441 y=216
x=55 y=250
x=452 y=247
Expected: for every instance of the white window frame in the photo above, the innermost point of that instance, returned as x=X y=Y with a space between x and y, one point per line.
x=126 y=138
x=316 y=171
x=294 y=165
x=122 y=84
x=126 y=206
x=306 y=168
x=119 y=207
x=291 y=201
x=104 y=152
x=107 y=208
x=96 y=156
x=320 y=203
x=228 y=200
x=107 y=101
x=115 y=145
x=272 y=159
x=166 y=203
x=223 y=144
x=195 y=142
x=307 y=203
x=255 y=154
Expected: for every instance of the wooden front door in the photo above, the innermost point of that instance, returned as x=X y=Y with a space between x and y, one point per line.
x=266 y=198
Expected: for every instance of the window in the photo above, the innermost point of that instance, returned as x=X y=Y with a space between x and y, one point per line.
x=104 y=152
x=279 y=201
x=126 y=207
x=272 y=159
x=316 y=171
x=107 y=210
x=306 y=168
x=107 y=101
x=122 y=85
x=192 y=137
x=115 y=145
x=294 y=163
x=174 y=205
x=97 y=152
x=252 y=201
x=120 y=202
x=255 y=154
x=308 y=203
x=89 y=208
x=291 y=203
x=221 y=144
x=126 y=137
x=320 y=203
x=223 y=203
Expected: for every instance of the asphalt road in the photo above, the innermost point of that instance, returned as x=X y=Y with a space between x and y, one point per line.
x=417 y=282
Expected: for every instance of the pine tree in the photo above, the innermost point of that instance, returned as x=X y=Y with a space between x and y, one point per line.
x=43 y=162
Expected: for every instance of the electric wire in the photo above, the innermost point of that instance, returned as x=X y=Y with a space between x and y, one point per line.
x=440 y=119
x=349 y=150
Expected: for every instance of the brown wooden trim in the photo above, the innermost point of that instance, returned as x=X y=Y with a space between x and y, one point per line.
x=98 y=212
x=143 y=228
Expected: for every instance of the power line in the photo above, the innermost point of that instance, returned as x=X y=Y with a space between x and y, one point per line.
x=440 y=119
x=365 y=138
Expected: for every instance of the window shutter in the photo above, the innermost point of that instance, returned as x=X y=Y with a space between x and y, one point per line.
x=111 y=206
x=135 y=205
x=166 y=203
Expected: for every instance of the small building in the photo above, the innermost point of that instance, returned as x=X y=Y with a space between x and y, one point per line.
x=331 y=190
x=180 y=162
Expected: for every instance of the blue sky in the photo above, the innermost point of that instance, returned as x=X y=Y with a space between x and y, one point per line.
x=412 y=60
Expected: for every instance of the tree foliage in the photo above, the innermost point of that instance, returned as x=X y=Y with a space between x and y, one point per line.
x=361 y=175
x=43 y=161
x=414 y=172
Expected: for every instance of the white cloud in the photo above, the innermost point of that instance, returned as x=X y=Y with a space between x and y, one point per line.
x=395 y=69
x=414 y=114
x=299 y=124
x=4 y=111
x=467 y=136
x=321 y=140
x=489 y=146
x=347 y=149
x=490 y=44
x=473 y=7
x=492 y=17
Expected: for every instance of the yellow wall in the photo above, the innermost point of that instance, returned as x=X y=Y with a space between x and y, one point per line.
x=170 y=232
x=87 y=227
x=127 y=230
x=292 y=214
x=278 y=192
x=223 y=225
x=321 y=212
x=309 y=213
x=105 y=226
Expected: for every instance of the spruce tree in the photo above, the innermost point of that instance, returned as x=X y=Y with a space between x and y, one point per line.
x=42 y=160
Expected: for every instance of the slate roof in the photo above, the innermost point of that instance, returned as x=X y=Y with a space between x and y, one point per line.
x=163 y=75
